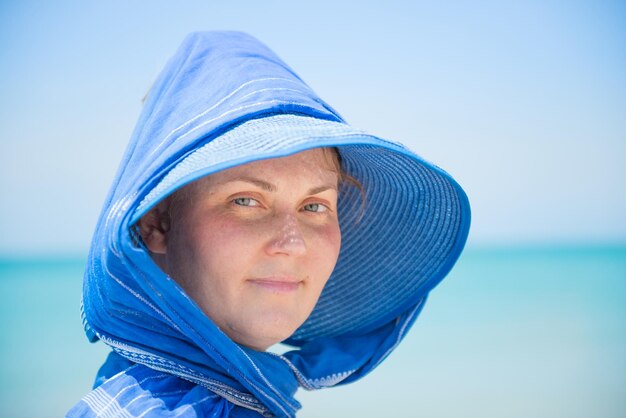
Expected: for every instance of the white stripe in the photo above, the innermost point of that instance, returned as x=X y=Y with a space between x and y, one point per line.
x=237 y=109
x=222 y=100
x=100 y=398
x=186 y=407
x=93 y=402
x=103 y=405
x=158 y=376
x=148 y=410
x=228 y=96
x=143 y=395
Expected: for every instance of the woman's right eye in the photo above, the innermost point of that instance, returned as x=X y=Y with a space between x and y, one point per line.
x=245 y=201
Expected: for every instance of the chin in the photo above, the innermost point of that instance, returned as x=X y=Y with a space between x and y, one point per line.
x=262 y=337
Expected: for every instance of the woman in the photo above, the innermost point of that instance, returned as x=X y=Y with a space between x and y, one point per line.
x=246 y=212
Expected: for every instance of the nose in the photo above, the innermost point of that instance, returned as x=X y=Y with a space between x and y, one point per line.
x=286 y=237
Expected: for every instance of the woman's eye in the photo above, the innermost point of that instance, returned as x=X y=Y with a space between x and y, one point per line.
x=315 y=207
x=245 y=201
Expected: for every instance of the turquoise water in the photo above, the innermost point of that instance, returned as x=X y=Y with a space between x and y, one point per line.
x=510 y=333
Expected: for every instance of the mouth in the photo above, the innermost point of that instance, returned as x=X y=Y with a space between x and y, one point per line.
x=277 y=284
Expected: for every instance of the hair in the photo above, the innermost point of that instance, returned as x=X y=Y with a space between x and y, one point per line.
x=345 y=179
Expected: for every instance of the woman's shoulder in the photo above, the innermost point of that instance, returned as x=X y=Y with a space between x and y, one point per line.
x=138 y=390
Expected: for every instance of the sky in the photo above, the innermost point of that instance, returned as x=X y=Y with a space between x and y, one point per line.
x=523 y=103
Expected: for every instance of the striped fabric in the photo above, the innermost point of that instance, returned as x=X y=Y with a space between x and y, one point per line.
x=139 y=391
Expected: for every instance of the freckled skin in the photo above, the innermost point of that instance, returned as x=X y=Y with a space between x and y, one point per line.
x=256 y=257
x=289 y=236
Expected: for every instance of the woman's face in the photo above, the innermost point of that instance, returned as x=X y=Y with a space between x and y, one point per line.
x=255 y=244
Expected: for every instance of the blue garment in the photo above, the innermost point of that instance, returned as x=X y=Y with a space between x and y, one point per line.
x=169 y=359
x=128 y=389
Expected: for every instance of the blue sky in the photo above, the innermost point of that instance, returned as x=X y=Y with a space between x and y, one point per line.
x=524 y=103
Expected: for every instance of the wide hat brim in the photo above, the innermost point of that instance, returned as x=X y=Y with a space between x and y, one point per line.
x=410 y=233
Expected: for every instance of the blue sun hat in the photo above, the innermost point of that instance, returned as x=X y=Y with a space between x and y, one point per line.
x=224 y=100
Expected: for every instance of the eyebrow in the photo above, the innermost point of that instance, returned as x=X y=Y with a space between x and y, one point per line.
x=269 y=187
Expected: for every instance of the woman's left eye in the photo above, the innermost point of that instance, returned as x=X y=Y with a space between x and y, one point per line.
x=245 y=201
x=315 y=207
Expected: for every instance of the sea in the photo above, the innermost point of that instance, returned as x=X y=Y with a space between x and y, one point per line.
x=511 y=332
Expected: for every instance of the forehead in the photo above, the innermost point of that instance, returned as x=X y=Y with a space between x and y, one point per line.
x=318 y=164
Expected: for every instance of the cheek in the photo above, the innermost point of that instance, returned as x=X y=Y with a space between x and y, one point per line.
x=211 y=256
x=221 y=241
x=326 y=248
x=198 y=244
x=333 y=237
x=230 y=248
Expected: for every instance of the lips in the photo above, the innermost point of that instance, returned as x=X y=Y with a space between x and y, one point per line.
x=277 y=284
